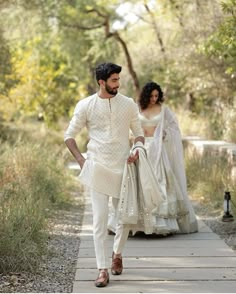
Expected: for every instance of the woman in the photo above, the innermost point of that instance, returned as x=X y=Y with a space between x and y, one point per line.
x=165 y=152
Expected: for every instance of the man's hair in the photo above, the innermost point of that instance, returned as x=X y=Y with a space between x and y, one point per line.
x=105 y=70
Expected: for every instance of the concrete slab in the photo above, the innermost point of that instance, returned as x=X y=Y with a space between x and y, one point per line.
x=166 y=262
x=143 y=252
x=88 y=235
x=202 y=227
x=157 y=287
x=163 y=274
x=161 y=243
x=197 y=236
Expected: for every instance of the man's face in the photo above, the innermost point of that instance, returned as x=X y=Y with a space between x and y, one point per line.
x=112 y=84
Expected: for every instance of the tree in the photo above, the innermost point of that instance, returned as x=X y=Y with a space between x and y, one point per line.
x=222 y=43
x=96 y=16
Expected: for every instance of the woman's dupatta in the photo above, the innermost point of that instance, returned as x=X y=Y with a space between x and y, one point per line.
x=140 y=195
x=170 y=150
x=128 y=203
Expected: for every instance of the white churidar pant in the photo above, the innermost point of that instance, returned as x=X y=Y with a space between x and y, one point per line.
x=100 y=206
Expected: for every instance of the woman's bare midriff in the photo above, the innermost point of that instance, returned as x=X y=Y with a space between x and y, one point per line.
x=149 y=131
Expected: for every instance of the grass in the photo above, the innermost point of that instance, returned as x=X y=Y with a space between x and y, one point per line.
x=213 y=126
x=209 y=176
x=33 y=183
x=192 y=124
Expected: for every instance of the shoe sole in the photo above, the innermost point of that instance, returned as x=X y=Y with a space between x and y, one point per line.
x=116 y=273
x=100 y=285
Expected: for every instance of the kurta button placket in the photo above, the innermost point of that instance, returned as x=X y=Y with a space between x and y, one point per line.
x=110 y=115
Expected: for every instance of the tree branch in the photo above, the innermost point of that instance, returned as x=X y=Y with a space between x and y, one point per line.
x=155 y=27
x=109 y=34
x=80 y=27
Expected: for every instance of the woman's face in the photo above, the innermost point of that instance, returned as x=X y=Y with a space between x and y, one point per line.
x=154 y=97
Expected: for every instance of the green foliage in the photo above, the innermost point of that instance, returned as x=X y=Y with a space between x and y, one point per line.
x=53 y=64
x=51 y=49
x=5 y=66
x=45 y=84
x=222 y=43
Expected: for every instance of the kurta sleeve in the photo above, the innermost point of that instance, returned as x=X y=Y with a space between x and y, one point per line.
x=135 y=124
x=78 y=120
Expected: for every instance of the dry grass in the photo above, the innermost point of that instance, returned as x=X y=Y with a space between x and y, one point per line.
x=192 y=124
x=209 y=176
x=33 y=182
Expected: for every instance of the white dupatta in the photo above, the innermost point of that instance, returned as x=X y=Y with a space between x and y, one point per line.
x=170 y=152
x=128 y=204
x=140 y=194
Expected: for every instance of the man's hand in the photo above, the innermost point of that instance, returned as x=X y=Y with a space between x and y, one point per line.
x=133 y=157
x=72 y=146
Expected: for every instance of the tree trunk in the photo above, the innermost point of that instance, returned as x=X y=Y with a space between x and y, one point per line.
x=156 y=29
x=126 y=52
x=129 y=63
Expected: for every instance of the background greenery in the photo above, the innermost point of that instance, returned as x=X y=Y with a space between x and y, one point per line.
x=48 y=52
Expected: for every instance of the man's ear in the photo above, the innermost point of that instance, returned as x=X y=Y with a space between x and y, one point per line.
x=101 y=82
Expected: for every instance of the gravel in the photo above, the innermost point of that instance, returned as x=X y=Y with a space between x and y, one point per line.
x=213 y=219
x=225 y=230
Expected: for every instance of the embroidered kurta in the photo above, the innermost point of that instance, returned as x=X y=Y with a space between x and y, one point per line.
x=109 y=122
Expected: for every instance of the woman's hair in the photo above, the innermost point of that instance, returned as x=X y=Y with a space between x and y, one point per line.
x=145 y=95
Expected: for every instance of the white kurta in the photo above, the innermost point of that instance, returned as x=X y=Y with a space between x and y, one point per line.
x=109 y=122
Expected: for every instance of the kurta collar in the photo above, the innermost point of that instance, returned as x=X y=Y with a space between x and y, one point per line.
x=106 y=99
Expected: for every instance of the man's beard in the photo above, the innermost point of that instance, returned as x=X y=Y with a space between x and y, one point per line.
x=110 y=90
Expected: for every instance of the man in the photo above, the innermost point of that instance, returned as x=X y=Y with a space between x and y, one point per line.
x=108 y=116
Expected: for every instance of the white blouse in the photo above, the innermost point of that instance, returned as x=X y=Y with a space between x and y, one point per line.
x=150 y=122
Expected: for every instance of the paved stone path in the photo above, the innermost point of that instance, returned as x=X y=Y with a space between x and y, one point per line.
x=199 y=262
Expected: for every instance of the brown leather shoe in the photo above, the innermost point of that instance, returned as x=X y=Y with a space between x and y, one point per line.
x=102 y=279
x=117 y=266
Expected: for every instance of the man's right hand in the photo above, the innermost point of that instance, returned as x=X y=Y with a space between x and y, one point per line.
x=133 y=157
x=72 y=146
